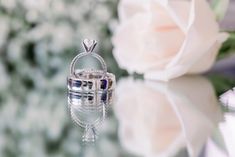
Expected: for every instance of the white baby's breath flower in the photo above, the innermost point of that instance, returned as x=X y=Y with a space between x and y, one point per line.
x=8 y=4
x=32 y=16
x=4 y=78
x=15 y=49
x=8 y=114
x=61 y=38
x=40 y=32
x=39 y=5
x=102 y=12
x=59 y=7
x=4 y=29
x=35 y=37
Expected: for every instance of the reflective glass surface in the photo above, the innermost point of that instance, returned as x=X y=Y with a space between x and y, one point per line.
x=179 y=118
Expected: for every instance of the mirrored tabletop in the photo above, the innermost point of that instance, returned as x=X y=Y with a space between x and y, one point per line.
x=180 y=118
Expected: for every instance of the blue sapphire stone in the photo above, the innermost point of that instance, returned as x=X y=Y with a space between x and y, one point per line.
x=103 y=84
x=74 y=83
x=74 y=96
x=104 y=96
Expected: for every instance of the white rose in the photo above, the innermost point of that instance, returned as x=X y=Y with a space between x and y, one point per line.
x=159 y=119
x=166 y=39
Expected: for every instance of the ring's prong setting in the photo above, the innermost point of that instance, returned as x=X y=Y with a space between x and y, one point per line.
x=89 y=45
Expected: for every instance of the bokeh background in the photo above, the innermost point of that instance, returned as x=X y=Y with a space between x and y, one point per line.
x=38 y=40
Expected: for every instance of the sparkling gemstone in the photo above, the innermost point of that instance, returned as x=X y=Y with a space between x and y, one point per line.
x=90 y=84
x=103 y=84
x=75 y=96
x=74 y=83
x=104 y=96
x=89 y=45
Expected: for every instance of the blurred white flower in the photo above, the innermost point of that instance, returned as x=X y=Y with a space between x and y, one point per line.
x=35 y=38
x=159 y=119
x=4 y=29
x=27 y=147
x=15 y=49
x=4 y=79
x=39 y=5
x=102 y=12
x=166 y=39
x=62 y=38
x=8 y=4
x=8 y=114
x=40 y=112
x=227 y=129
x=40 y=32
x=59 y=7
x=32 y=16
x=2 y=143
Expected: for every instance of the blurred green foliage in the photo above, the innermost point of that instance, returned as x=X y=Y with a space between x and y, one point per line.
x=221 y=83
x=228 y=47
x=219 y=7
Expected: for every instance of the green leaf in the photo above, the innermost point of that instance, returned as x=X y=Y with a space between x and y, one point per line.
x=228 y=47
x=220 y=7
x=221 y=83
